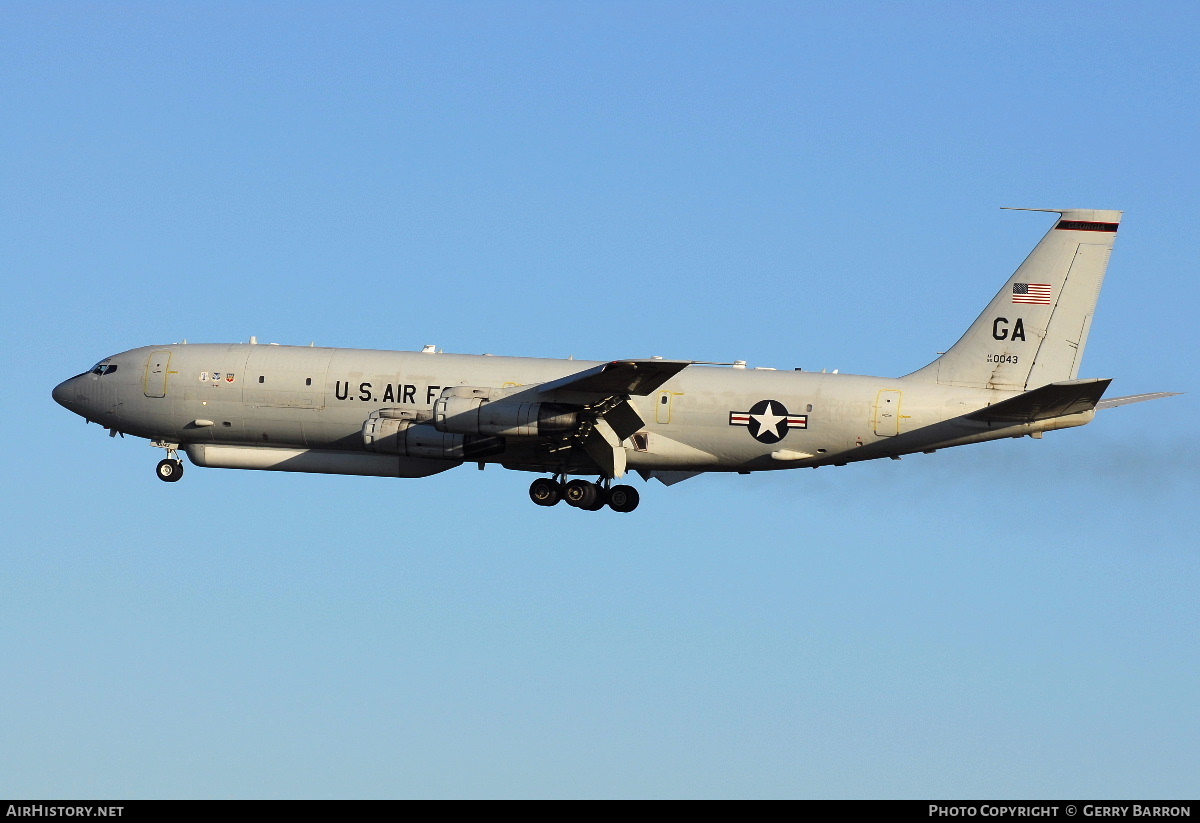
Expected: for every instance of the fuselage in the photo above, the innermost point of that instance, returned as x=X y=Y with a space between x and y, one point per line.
x=1014 y=372
x=705 y=418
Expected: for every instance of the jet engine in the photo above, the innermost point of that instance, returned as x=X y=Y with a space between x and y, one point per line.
x=468 y=410
x=409 y=438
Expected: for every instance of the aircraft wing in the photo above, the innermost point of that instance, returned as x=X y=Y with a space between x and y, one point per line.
x=1051 y=400
x=611 y=417
x=639 y=377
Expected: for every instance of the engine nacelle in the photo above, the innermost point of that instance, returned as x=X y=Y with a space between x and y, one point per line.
x=407 y=438
x=473 y=411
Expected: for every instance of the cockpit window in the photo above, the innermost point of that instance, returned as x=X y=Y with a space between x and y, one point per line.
x=104 y=368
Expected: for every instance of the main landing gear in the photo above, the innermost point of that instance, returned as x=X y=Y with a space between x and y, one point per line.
x=546 y=491
x=171 y=469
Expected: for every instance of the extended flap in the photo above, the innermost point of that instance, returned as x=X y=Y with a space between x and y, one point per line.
x=603 y=446
x=624 y=419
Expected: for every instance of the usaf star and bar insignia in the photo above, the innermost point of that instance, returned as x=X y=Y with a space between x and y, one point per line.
x=768 y=421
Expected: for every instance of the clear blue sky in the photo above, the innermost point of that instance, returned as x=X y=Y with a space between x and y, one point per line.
x=786 y=183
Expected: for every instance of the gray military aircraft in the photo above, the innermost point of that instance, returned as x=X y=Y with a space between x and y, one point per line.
x=1015 y=372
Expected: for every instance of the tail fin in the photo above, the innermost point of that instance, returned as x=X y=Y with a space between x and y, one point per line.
x=1034 y=331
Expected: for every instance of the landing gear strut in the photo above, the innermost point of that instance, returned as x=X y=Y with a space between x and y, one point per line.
x=171 y=469
x=581 y=494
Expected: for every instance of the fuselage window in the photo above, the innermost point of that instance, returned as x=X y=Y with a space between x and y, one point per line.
x=308 y=381
x=262 y=379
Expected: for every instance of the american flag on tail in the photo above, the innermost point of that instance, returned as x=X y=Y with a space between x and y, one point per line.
x=1037 y=294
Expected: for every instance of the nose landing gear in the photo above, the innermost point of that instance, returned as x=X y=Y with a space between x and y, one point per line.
x=171 y=469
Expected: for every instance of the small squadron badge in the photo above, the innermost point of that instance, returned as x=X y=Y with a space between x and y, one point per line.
x=768 y=421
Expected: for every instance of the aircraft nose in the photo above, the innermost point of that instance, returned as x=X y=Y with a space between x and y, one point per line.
x=63 y=395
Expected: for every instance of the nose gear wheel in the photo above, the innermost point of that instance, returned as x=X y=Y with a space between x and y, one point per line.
x=169 y=471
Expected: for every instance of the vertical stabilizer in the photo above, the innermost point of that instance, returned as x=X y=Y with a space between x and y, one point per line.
x=1034 y=331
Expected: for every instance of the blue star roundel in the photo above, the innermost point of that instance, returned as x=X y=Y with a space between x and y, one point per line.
x=768 y=421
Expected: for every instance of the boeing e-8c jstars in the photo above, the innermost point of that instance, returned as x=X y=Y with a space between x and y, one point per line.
x=1015 y=372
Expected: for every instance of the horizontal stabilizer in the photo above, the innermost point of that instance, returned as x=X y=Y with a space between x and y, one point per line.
x=1134 y=398
x=1052 y=400
x=619 y=377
